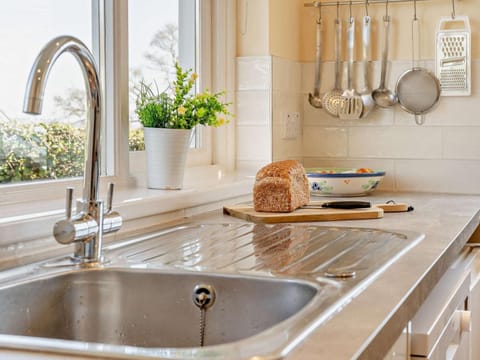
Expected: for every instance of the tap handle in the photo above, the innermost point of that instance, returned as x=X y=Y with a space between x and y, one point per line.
x=111 y=187
x=69 y=202
x=112 y=220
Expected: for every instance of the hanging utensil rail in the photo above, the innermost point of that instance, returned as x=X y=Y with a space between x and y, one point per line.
x=355 y=2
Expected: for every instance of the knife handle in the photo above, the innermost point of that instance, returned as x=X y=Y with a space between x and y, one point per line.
x=395 y=207
x=346 y=204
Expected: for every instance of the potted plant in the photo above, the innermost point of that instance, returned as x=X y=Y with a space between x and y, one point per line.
x=168 y=118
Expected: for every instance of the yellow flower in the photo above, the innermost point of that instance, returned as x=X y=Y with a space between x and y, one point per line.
x=181 y=110
x=221 y=121
x=194 y=76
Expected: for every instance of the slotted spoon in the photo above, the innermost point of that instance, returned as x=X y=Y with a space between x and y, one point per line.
x=351 y=105
x=332 y=98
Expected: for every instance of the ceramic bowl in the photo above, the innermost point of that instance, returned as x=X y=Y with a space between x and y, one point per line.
x=343 y=182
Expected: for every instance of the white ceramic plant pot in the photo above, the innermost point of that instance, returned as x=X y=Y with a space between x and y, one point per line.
x=166 y=156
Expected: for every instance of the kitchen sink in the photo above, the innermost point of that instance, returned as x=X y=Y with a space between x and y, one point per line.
x=268 y=287
x=147 y=308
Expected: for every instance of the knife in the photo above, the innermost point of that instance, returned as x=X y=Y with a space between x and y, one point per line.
x=355 y=204
x=340 y=205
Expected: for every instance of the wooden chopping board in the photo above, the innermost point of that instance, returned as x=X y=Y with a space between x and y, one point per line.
x=246 y=212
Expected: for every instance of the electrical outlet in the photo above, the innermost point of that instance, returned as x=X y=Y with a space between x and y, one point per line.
x=291 y=128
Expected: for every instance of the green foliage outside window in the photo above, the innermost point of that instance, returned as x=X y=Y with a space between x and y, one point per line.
x=135 y=140
x=42 y=151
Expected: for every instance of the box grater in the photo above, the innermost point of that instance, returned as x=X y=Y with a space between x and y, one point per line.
x=452 y=56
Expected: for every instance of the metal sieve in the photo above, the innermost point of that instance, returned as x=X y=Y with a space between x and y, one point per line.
x=418 y=90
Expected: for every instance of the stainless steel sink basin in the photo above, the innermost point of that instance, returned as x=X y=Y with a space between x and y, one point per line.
x=274 y=285
x=140 y=313
x=147 y=308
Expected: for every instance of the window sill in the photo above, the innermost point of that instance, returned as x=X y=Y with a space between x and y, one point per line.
x=206 y=188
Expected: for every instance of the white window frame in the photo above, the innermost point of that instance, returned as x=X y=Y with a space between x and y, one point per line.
x=217 y=38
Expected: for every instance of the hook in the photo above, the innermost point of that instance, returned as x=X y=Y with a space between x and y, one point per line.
x=415 y=10
x=453 y=9
x=386 y=9
x=337 y=19
x=350 y=9
x=319 y=19
x=366 y=7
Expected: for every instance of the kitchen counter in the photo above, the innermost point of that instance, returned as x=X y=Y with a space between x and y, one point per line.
x=367 y=327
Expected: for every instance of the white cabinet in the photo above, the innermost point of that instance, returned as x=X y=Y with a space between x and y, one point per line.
x=447 y=325
x=441 y=328
x=473 y=305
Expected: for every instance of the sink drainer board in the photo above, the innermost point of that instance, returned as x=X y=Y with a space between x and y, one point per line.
x=286 y=249
x=263 y=282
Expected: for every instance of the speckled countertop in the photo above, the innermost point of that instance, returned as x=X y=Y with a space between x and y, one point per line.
x=370 y=324
x=367 y=327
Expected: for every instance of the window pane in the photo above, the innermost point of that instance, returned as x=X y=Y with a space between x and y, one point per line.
x=156 y=28
x=50 y=145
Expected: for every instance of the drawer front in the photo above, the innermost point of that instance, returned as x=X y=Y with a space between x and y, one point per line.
x=454 y=341
x=438 y=323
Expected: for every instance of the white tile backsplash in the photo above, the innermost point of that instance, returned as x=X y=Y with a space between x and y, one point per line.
x=254 y=143
x=461 y=143
x=447 y=176
x=286 y=98
x=287 y=75
x=420 y=142
x=254 y=73
x=321 y=141
x=253 y=116
x=443 y=155
x=253 y=107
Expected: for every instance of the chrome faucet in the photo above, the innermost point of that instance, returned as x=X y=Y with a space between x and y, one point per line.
x=91 y=221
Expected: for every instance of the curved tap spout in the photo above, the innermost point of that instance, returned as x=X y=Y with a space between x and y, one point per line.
x=33 y=101
x=87 y=226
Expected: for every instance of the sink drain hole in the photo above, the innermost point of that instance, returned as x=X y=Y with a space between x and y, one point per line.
x=203 y=297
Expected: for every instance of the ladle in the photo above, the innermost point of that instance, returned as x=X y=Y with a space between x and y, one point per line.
x=384 y=97
x=366 y=91
x=316 y=100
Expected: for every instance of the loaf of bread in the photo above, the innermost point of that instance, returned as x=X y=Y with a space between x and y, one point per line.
x=281 y=186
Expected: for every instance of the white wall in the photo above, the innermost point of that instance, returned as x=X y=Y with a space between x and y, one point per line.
x=253 y=116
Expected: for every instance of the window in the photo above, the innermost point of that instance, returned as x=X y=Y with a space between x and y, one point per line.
x=27 y=25
x=156 y=43
x=50 y=145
